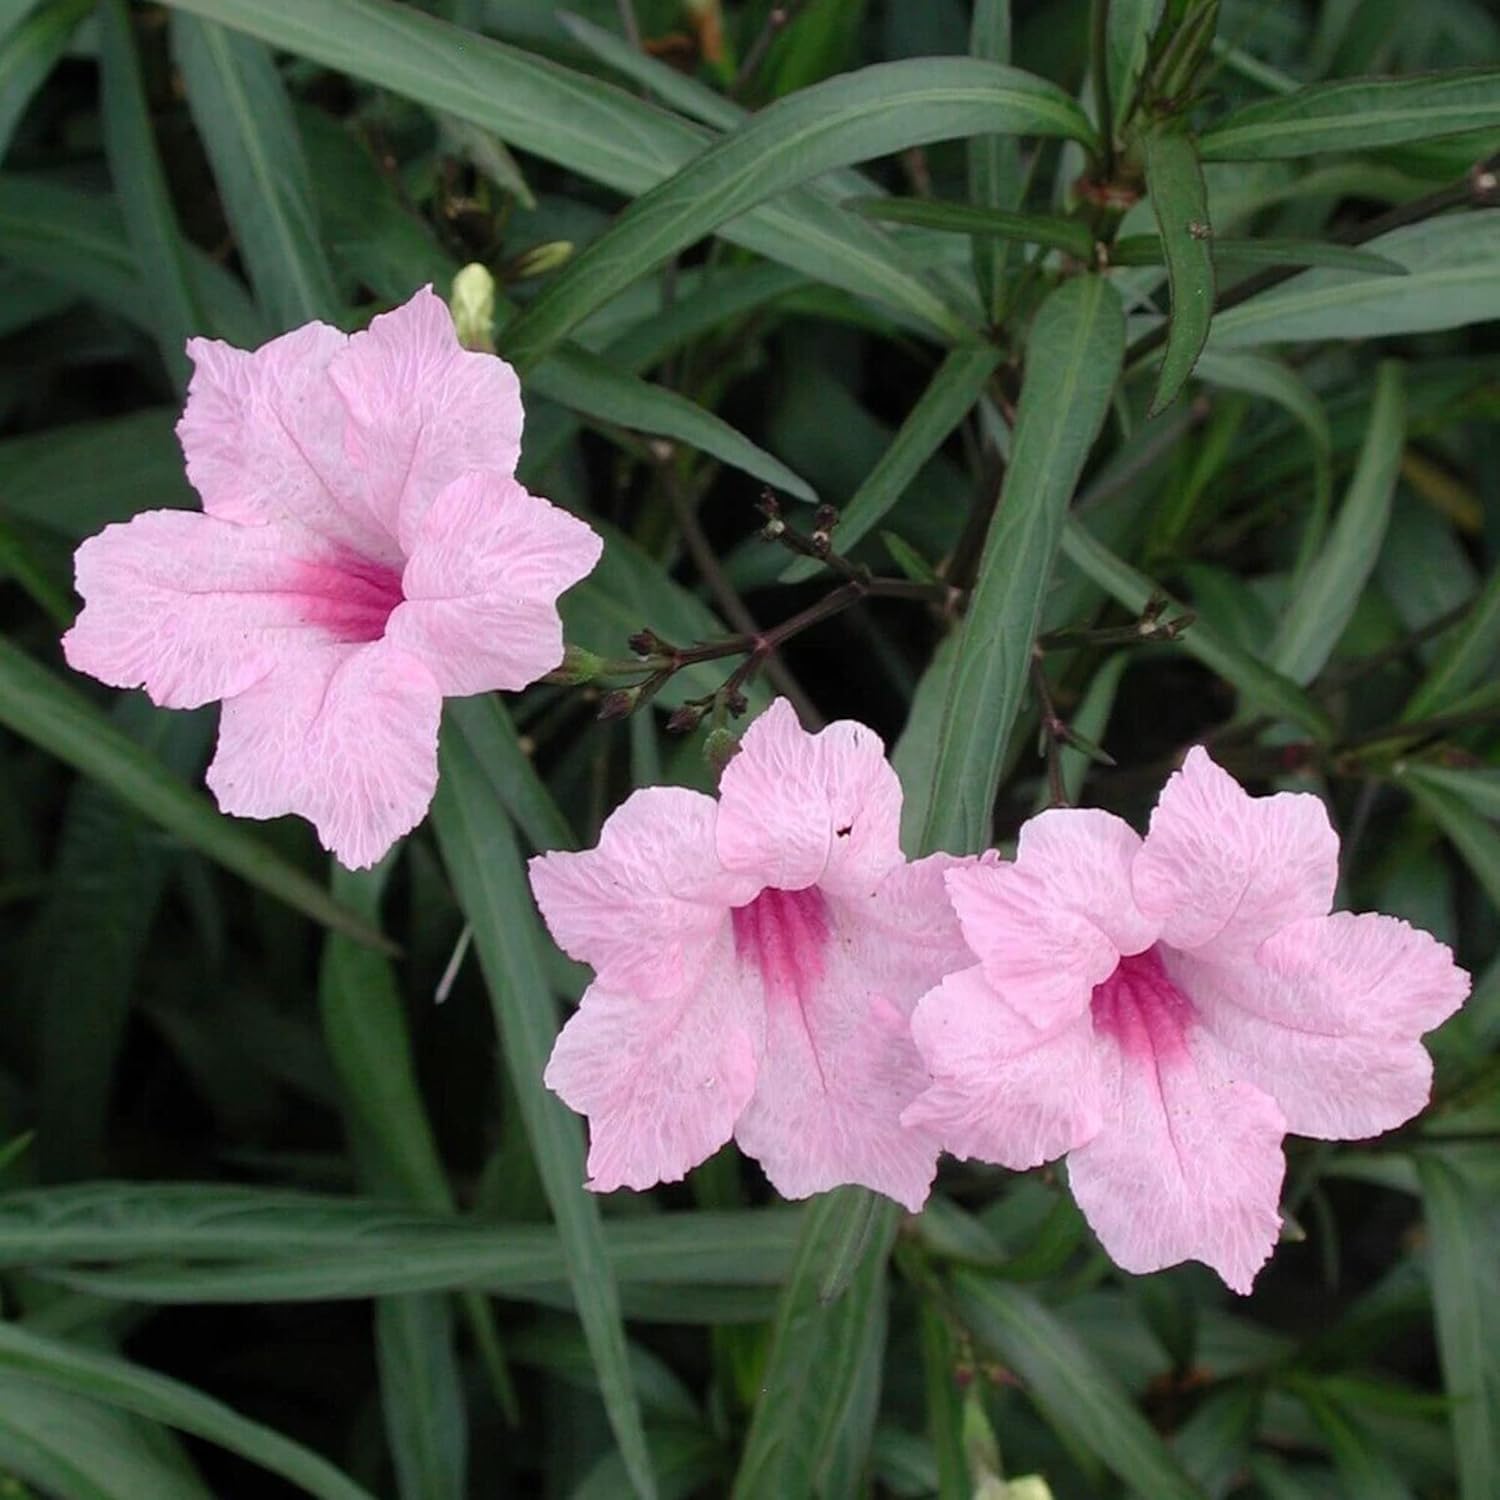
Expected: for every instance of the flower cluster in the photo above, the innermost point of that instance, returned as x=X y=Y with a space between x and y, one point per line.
x=769 y=967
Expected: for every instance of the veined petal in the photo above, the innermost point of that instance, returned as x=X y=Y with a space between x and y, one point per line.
x=1188 y=1162
x=661 y=1081
x=800 y=809
x=645 y=906
x=1001 y=1089
x=481 y=585
x=263 y=433
x=1221 y=870
x=344 y=735
x=422 y=411
x=193 y=608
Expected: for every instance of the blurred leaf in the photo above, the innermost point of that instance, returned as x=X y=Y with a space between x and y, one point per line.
x=966 y=218
x=29 y=53
x=1264 y=688
x=1466 y=657
x=1146 y=250
x=120 y=1384
x=1358 y=114
x=884 y=108
x=687 y=1462
x=994 y=161
x=1452 y=280
x=817 y=1347
x=1073 y=1390
x=1325 y=600
x=245 y=121
x=1214 y=1443
x=1476 y=841
x=1180 y=202
x=948 y=399
x=141 y=187
x=1479 y=787
x=47 y=711
x=1072 y=362
x=421 y=1396
x=1363 y=1470
x=1128 y=28
x=485 y=865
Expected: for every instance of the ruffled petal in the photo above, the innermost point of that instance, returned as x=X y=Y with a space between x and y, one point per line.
x=800 y=809
x=1222 y=870
x=194 y=609
x=1053 y=924
x=645 y=906
x=263 y=433
x=1002 y=1091
x=1187 y=1164
x=839 y=1064
x=422 y=412
x=1327 y=1020
x=661 y=1081
x=346 y=736
x=481 y=585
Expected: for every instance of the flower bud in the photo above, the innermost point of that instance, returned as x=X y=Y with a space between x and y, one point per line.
x=619 y=704
x=578 y=666
x=1028 y=1487
x=539 y=260
x=721 y=747
x=473 y=308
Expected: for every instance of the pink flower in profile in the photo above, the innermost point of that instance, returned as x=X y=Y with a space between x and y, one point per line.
x=1163 y=1011
x=363 y=551
x=756 y=959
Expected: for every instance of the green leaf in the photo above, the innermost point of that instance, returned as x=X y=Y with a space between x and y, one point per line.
x=245 y=121
x=1146 y=250
x=485 y=865
x=117 y=1383
x=141 y=187
x=1051 y=230
x=812 y=1369
x=29 y=53
x=575 y=120
x=1127 y=41
x=421 y=1397
x=588 y=384
x=1264 y=688
x=948 y=399
x=1325 y=601
x=1363 y=1470
x=1358 y=114
x=1075 y=1393
x=1453 y=279
x=1478 y=844
x=877 y=110
x=1073 y=359
x=1466 y=657
x=996 y=181
x=1463 y=1220
x=1180 y=201
x=45 y=710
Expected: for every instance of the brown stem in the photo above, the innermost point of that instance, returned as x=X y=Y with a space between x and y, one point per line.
x=1053 y=727
x=777 y=21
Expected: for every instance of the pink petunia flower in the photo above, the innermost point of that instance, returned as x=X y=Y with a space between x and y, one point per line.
x=756 y=959
x=363 y=551
x=1163 y=1011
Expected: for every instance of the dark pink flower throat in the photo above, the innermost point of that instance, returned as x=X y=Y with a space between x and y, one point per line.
x=784 y=934
x=351 y=599
x=1142 y=1009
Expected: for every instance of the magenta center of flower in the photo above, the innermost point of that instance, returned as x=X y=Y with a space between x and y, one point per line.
x=350 y=599
x=784 y=934
x=1142 y=1009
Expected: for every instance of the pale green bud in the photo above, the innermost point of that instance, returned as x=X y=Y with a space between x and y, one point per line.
x=473 y=307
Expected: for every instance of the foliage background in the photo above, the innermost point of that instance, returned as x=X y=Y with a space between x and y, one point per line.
x=274 y=1222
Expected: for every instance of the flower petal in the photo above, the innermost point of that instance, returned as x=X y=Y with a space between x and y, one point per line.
x=263 y=433
x=193 y=608
x=482 y=581
x=1187 y=1165
x=661 y=1081
x=1002 y=1091
x=1221 y=870
x=346 y=736
x=646 y=905
x=422 y=412
x=1327 y=1020
x=1053 y=924
x=839 y=1064
x=800 y=809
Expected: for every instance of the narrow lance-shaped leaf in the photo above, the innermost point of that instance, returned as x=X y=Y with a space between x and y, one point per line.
x=995 y=179
x=1358 y=114
x=242 y=114
x=1127 y=39
x=883 y=108
x=1074 y=352
x=983 y=222
x=1325 y=602
x=29 y=53
x=1465 y=658
x=1477 y=841
x=1180 y=202
x=1147 y=250
x=45 y=710
x=479 y=848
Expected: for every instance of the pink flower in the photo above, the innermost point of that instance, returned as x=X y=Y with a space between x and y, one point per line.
x=364 y=550
x=1164 y=1010
x=756 y=958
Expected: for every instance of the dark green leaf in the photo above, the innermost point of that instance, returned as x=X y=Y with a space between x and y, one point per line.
x=29 y=53
x=1051 y=230
x=1180 y=202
